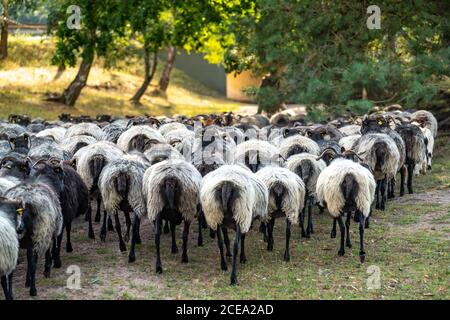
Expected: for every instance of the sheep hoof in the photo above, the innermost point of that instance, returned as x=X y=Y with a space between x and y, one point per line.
x=131 y=258
x=243 y=260
x=174 y=250
x=303 y=234
x=287 y=257
x=229 y=255
x=138 y=240
x=233 y=281
x=47 y=274
x=184 y=259
x=333 y=234
x=166 y=229
x=27 y=283
x=341 y=252
x=33 y=292
x=69 y=248
x=57 y=264
x=122 y=247
x=212 y=234
x=308 y=235
x=159 y=270
x=223 y=266
x=362 y=257
x=348 y=244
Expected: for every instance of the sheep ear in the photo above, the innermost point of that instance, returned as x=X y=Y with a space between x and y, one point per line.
x=342 y=149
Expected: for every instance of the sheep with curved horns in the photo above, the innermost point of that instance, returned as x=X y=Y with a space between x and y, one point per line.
x=308 y=169
x=161 y=152
x=426 y=120
x=72 y=144
x=90 y=162
x=213 y=140
x=10 y=226
x=231 y=197
x=343 y=187
x=120 y=185
x=256 y=154
x=57 y=133
x=20 y=144
x=380 y=153
x=182 y=140
x=42 y=219
x=14 y=166
x=171 y=190
x=140 y=138
x=85 y=129
x=416 y=154
x=298 y=144
x=286 y=199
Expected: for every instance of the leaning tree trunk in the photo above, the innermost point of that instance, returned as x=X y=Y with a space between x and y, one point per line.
x=4 y=34
x=148 y=75
x=165 y=77
x=71 y=94
x=59 y=72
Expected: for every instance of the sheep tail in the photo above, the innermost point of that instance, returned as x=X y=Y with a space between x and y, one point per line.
x=170 y=185
x=277 y=190
x=227 y=191
x=96 y=166
x=349 y=188
x=122 y=185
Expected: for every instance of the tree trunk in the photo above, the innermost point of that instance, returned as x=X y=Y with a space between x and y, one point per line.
x=71 y=94
x=59 y=73
x=165 y=77
x=148 y=75
x=4 y=34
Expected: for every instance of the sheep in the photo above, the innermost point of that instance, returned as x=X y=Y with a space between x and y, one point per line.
x=350 y=130
x=324 y=132
x=120 y=185
x=256 y=154
x=10 y=226
x=85 y=129
x=298 y=144
x=161 y=152
x=416 y=154
x=429 y=142
x=5 y=148
x=72 y=144
x=213 y=140
x=347 y=142
x=20 y=144
x=112 y=131
x=14 y=165
x=7 y=183
x=231 y=197
x=10 y=130
x=90 y=162
x=140 y=138
x=43 y=222
x=48 y=149
x=166 y=128
x=308 y=169
x=72 y=194
x=236 y=134
x=171 y=190
x=426 y=119
x=380 y=153
x=286 y=199
x=182 y=140
x=343 y=187
x=57 y=133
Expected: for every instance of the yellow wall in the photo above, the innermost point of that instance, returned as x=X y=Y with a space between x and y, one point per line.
x=237 y=82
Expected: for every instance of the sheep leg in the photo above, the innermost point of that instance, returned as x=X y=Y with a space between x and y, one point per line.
x=157 y=243
x=200 y=234
x=110 y=223
x=391 y=186
x=56 y=251
x=243 y=258
x=302 y=222
x=126 y=238
x=367 y=223
x=333 y=230
x=48 y=264
x=32 y=261
x=10 y=286
x=270 y=232
x=103 y=230
x=134 y=231
x=402 y=180
x=309 y=225
x=341 y=251
x=122 y=245
x=287 y=255
x=138 y=233
x=223 y=263
x=166 y=227
x=226 y=239
x=377 y=194
x=348 y=243
x=383 y=193
x=212 y=233
x=263 y=230
x=410 y=177
x=174 y=243
x=91 y=234
x=237 y=239
x=5 y=287
x=68 y=241
x=97 y=215
x=362 y=253
x=184 y=256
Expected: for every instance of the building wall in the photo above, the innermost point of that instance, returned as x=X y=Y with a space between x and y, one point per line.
x=237 y=82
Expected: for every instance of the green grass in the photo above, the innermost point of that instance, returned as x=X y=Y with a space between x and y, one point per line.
x=26 y=77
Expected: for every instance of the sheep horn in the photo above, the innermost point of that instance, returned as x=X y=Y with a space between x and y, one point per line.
x=9 y=158
x=39 y=161
x=323 y=153
x=351 y=152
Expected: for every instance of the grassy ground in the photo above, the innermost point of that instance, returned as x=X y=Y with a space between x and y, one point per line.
x=26 y=78
x=409 y=243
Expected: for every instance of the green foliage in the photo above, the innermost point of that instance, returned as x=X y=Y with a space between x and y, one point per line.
x=324 y=54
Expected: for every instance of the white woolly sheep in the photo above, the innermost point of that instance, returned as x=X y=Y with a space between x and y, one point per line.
x=72 y=144
x=256 y=154
x=231 y=197
x=85 y=129
x=298 y=144
x=171 y=190
x=286 y=199
x=426 y=119
x=140 y=138
x=57 y=133
x=347 y=142
x=350 y=130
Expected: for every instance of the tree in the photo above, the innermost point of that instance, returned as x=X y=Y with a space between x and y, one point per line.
x=102 y=24
x=321 y=53
x=9 y=10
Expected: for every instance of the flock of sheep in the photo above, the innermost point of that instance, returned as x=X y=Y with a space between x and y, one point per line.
x=223 y=170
